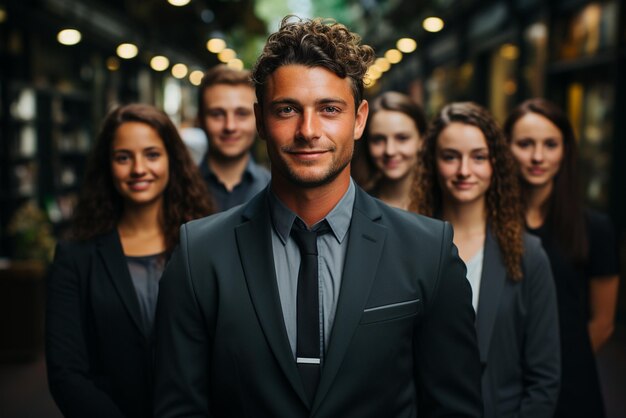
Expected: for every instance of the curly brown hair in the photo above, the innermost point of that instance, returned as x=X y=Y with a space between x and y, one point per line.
x=100 y=205
x=504 y=208
x=314 y=43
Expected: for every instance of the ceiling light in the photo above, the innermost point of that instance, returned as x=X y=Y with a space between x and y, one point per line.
x=382 y=64
x=373 y=73
x=196 y=77
x=127 y=51
x=393 y=56
x=369 y=83
x=178 y=3
x=432 y=24
x=406 y=45
x=216 y=45
x=179 y=70
x=227 y=55
x=235 y=64
x=159 y=63
x=69 y=37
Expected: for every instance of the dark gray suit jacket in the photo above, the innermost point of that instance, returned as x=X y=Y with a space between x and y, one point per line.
x=518 y=334
x=402 y=345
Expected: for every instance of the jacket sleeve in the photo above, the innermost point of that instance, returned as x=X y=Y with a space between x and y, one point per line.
x=541 y=354
x=448 y=365
x=182 y=342
x=67 y=357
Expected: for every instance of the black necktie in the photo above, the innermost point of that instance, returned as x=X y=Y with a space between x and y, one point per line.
x=308 y=331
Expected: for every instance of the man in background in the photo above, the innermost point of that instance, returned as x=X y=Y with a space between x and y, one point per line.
x=226 y=113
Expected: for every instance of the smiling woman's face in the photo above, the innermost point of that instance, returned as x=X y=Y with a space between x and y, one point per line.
x=139 y=164
x=463 y=167
x=537 y=145
x=393 y=143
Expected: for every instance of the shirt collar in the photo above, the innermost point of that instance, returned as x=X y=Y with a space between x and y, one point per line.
x=338 y=218
x=250 y=172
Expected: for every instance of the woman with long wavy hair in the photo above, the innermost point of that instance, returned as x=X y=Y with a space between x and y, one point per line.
x=387 y=155
x=580 y=243
x=468 y=179
x=140 y=185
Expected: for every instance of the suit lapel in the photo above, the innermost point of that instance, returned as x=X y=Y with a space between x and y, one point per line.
x=110 y=249
x=492 y=281
x=365 y=244
x=254 y=242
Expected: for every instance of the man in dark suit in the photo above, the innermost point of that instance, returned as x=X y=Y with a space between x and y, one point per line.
x=387 y=329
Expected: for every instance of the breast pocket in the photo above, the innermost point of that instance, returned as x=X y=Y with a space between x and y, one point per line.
x=391 y=311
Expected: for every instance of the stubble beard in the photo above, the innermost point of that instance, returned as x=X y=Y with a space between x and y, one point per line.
x=305 y=182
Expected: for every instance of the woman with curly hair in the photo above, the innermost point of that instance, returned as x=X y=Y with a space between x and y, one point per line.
x=580 y=243
x=388 y=152
x=468 y=179
x=140 y=185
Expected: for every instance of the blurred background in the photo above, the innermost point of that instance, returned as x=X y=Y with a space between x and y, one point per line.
x=65 y=63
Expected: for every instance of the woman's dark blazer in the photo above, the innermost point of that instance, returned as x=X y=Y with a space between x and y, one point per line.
x=99 y=357
x=518 y=334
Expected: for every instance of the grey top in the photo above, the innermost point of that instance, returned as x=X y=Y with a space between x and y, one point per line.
x=254 y=179
x=474 y=274
x=145 y=272
x=331 y=248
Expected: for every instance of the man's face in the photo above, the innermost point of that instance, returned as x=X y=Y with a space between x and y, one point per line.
x=229 y=120
x=309 y=122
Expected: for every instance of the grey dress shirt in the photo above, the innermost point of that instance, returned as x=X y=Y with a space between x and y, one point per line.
x=145 y=272
x=331 y=248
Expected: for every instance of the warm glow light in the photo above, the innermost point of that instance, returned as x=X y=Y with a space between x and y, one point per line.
x=178 y=3
x=406 y=45
x=509 y=52
x=393 y=56
x=382 y=64
x=69 y=37
x=113 y=64
x=3 y=15
x=432 y=24
x=368 y=82
x=159 y=63
x=235 y=64
x=216 y=45
x=373 y=73
x=127 y=51
x=179 y=70
x=196 y=77
x=226 y=55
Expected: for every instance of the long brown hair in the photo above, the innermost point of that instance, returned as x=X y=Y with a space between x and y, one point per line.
x=364 y=171
x=100 y=205
x=504 y=209
x=563 y=210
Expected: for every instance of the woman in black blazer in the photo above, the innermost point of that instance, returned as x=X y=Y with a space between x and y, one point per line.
x=469 y=179
x=580 y=243
x=140 y=185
